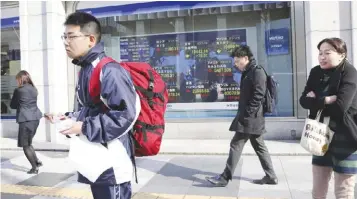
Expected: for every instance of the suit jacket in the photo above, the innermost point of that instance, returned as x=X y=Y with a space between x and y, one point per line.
x=250 y=117
x=343 y=84
x=24 y=100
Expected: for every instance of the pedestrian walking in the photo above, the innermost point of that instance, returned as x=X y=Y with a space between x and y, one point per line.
x=82 y=40
x=28 y=115
x=249 y=123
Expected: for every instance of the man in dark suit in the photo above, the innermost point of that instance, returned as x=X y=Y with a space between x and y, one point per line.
x=249 y=122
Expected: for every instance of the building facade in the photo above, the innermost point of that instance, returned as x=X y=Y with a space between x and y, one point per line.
x=189 y=44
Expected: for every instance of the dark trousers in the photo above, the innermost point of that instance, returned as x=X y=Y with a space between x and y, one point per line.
x=236 y=147
x=120 y=191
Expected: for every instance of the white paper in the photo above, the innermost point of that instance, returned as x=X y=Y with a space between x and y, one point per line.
x=90 y=159
x=62 y=125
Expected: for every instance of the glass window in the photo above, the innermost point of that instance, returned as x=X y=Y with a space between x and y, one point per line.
x=191 y=49
x=10 y=66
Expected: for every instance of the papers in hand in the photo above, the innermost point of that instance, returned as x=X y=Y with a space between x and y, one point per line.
x=63 y=124
x=90 y=159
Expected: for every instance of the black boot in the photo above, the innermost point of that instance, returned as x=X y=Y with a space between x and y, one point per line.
x=219 y=180
x=39 y=163
x=266 y=180
x=32 y=158
x=33 y=171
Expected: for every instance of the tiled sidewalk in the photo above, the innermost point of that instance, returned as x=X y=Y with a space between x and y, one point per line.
x=162 y=176
x=75 y=193
x=192 y=147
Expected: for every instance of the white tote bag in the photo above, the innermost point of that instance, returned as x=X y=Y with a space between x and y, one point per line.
x=316 y=136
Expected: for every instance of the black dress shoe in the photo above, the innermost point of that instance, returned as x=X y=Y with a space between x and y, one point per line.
x=266 y=180
x=33 y=171
x=218 y=181
x=39 y=163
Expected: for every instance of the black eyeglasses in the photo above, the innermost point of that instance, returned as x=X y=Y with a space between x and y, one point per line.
x=72 y=37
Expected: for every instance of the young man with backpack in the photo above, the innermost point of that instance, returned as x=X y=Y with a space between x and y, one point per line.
x=109 y=117
x=257 y=95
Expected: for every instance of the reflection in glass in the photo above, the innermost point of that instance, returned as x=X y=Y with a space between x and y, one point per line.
x=10 y=66
x=191 y=49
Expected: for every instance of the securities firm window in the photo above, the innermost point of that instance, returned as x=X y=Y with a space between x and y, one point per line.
x=191 y=50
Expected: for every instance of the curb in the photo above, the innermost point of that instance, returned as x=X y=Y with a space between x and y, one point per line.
x=245 y=154
x=45 y=150
x=172 y=153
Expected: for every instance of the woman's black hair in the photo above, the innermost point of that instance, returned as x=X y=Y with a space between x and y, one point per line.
x=338 y=44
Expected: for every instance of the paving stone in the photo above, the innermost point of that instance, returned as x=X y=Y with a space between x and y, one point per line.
x=46 y=179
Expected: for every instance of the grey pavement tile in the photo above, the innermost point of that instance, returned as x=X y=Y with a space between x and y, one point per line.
x=267 y=193
x=14 y=167
x=297 y=167
x=307 y=194
x=12 y=174
x=229 y=191
x=179 y=171
x=46 y=179
x=186 y=167
x=71 y=182
x=214 y=166
x=165 y=188
x=252 y=169
x=15 y=196
x=49 y=197
x=300 y=194
x=300 y=185
x=150 y=165
x=53 y=155
x=252 y=166
x=247 y=185
x=7 y=155
x=144 y=196
x=186 y=175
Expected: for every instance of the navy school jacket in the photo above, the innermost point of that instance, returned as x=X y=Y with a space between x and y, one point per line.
x=118 y=91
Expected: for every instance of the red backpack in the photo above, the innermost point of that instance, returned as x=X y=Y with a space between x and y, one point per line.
x=150 y=125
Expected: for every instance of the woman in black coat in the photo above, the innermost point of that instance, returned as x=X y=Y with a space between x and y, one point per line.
x=332 y=88
x=28 y=116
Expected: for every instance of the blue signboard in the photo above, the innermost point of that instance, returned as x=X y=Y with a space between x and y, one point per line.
x=163 y=6
x=10 y=22
x=277 y=41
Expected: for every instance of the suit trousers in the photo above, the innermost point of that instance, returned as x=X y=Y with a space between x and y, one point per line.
x=236 y=147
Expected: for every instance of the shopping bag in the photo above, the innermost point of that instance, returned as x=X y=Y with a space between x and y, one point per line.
x=316 y=136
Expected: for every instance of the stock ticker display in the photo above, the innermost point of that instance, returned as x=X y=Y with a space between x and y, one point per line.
x=196 y=66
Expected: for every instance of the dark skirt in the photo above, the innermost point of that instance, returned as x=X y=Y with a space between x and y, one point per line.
x=27 y=131
x=120 y=191
x=341 y=155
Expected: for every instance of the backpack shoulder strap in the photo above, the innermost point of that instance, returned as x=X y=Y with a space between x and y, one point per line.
x=94 y=82
x=259 y=66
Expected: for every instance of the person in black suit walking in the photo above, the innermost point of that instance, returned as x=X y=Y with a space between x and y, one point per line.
x=28 y=116
x=249 y=123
